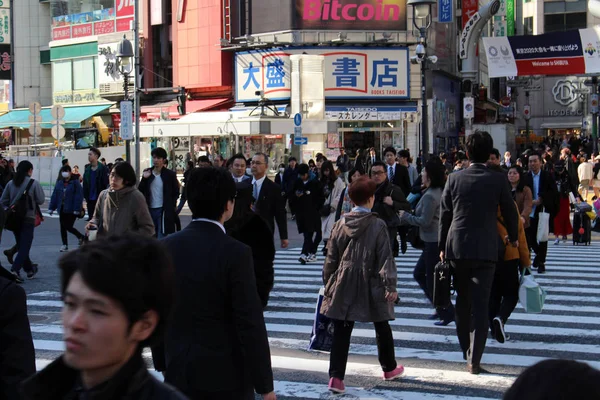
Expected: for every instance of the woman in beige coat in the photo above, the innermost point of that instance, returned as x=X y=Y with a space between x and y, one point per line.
x=360 y=283
x=122 y=207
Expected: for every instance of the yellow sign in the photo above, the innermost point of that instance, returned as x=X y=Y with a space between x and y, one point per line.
x=77 y=97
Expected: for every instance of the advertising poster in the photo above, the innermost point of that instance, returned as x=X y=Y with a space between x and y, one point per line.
x=350 y=15
x=562 y=53
x=469 y=7
x=5 y=62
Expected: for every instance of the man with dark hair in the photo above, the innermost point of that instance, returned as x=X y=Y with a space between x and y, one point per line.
x=237 y=166
x=469 y=240
x=95 y=180
x=216 y=344
x=494 y=159
x=546 y=197
x=290 y=176
x=204 y=161
x=389 y=199
x=343 y=164
x=397 y=174
x=117 y=295
x=307 y=199
x=269 y=203
x=372 y=158
x=218 y=161
x=161 y=189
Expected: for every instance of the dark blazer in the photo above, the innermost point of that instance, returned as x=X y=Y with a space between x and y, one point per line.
x=370 y=163
x=390 y=213
x=469 y=211
x=216 y=324
x=17 y=357
x=101 y=180
x=307 y=205
x=271 y=206
x=547 y=191
x=401 y=178
x=170 y=196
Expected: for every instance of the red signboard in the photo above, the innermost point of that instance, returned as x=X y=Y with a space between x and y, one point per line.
x=469 y=7
x=104 y=27
x=63 y=32
x=124 y=8
x=124 y=24
x=82 y=30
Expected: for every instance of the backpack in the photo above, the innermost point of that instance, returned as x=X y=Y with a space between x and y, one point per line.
x=16 y=212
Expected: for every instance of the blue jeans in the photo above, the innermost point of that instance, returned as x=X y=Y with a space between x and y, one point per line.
x=24 y=238
x=156 y=214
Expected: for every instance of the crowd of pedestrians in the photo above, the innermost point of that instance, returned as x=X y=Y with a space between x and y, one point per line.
x=203 y=316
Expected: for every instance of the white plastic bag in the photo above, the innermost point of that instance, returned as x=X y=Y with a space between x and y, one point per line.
x=543 y=226
x=531 y=295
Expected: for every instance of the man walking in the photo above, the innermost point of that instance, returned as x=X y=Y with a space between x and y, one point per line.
x=237 y=166
x=95 y=180
x=469 y=240
x=545 y=197
x=397 y=174
x=343 y=164
x=268 y=201
x=216 y=343
x=161 y=189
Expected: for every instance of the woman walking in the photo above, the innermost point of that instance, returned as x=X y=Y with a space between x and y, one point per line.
x=521 y=194
x=562 y=221
x=427 y=219
x=345 y=204
x=360 y=283
x=24 y=230
x=67 y=200
x=332 y=190
x=122 y=207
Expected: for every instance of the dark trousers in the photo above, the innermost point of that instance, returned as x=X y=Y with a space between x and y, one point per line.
x=24 y=239
x=91 y=205
x=505 y=290
x=393 y=232
x=424 y=275
x=310 y=245
x=540 y=249
x=67 y=222
x=473 y=281
x=156 y=214
x=342 y=330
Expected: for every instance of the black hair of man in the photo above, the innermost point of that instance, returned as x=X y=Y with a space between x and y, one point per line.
x=132 y=270
x=479 y=146
x=65 y=161
x=265 y=157
x=159 y=152
x=125 y=171
x=204 y=159
x=292 y=159
x=303 y=169
x=208 y=190
x=238 y=156
x=379 y=164
x=389 y=150
x=495 y=152
x=534 y=153
x=95 y=151
x=404 y=154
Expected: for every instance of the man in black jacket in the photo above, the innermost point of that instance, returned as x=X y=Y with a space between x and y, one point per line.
x=269 y=203
x=469 y=240
x=216 y=344
x=17 y=356
x=117 y=295
x=343 y=164
x=95 y=180
x=545 y=196
x=389 y=199
x=307 y=198
x=161 y=189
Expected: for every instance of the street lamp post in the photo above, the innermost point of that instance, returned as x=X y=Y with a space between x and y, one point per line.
x=422 y=21
x=125 y=55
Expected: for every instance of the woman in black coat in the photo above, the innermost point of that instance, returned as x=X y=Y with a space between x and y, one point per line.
x=250 y=229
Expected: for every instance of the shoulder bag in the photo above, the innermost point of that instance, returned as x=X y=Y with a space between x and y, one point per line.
x=15 y=214
x=442 y=285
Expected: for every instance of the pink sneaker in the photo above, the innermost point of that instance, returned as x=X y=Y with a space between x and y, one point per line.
x=336 y=386
x=390 y=376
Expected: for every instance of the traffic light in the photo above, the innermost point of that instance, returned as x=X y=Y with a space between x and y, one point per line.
x=181 y=99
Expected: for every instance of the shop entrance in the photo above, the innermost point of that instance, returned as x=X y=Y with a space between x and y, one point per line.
x=379 y=138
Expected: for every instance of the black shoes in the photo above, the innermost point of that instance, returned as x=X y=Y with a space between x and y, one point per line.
x=9 y=256
x=33 y=272
x=498 y=330
x=476 y=369
x=444 y=322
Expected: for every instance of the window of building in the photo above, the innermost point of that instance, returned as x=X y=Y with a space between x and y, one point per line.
x=62 y=77
x=77 y=74
x=84 y=74
x=564 y=22
x=528 y=26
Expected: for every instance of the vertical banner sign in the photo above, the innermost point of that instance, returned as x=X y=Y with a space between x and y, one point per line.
x=5 y=25
x=126 y=120
x=500 y=20
x=5 y=62
x=510 y=17
x=445 y=11
x=469 y=7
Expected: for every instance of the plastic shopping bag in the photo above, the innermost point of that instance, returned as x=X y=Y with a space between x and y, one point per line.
x=321 y=336
x=531 y=295
x=543 y=226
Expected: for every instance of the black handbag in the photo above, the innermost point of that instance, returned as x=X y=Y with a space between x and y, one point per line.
x=414 y=238
x=442 y=285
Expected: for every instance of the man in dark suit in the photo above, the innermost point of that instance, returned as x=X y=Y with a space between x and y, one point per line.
x=469 y=240
x=397 y=174
x=269 y=203
x=545 y=195
x=372 y=158
x=216 y=344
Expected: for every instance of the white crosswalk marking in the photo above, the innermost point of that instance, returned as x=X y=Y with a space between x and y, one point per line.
x=568 y=328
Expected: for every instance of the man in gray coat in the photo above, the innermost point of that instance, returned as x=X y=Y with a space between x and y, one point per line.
x=469 y=240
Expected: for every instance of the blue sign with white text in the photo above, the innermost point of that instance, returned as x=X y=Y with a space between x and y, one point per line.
x=445 y=11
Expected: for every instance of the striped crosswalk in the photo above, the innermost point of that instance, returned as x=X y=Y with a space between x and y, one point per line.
x=568 y=328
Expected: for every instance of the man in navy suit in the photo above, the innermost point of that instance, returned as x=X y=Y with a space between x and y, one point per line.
x=237 y=166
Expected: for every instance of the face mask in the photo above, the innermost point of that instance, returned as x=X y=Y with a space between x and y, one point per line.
x=249 y=171
x=281 y=169
x=65 y=174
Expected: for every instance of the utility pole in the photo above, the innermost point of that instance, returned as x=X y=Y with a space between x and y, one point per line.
x=594 y=109
x=137 y=82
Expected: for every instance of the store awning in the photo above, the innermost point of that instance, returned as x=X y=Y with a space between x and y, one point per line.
x=155 y=111
x=74 y=115
x=561 y=125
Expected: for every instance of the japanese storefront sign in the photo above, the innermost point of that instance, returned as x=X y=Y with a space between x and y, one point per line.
x=445 y=11
x=369 y=113
x=98 y=22
x=348 y=73
x=469 y=7
x=77 y=96
x=510 y=17
x=561 y=53
x=5 y=25
x=350 y=14
x=5 y=62
x=108 y=67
